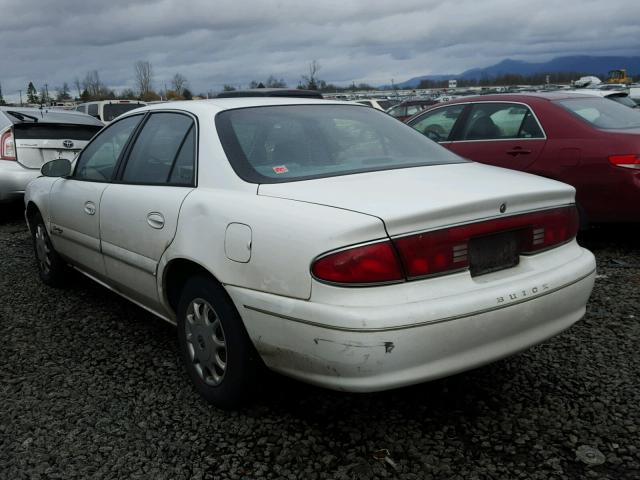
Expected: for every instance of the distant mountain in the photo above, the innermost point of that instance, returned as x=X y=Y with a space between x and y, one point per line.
x=599 y=66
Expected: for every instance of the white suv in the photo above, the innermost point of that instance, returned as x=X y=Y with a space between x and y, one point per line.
x=327 y=240
x=107 y=110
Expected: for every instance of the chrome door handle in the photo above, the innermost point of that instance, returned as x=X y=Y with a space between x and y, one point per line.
x=155 y=220
x=90 y=208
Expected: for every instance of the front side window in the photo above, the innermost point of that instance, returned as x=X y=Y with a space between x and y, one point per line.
x=495 y=121
x=438 y=124
x=163 y=152
x=277 y=144
x=602 y=113
x=98 y=160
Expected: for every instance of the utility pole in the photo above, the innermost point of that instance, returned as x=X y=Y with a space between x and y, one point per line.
x=46 y=92
x=20 y=97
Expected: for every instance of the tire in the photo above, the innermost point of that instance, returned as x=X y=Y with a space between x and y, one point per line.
x=52 y=270
x=219 y=357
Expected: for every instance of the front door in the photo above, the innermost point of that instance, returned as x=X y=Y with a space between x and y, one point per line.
x=75 y=200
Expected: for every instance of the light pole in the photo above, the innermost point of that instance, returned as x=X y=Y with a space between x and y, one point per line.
x=20 y=97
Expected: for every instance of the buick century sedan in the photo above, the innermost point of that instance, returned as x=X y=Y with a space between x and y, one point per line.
x=326 y=241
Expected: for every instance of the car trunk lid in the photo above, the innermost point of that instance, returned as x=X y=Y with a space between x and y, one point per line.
x=425 y=198
x=38 y=143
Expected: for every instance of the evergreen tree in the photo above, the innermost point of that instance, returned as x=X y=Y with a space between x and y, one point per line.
x=32 y=93
x=2 y=102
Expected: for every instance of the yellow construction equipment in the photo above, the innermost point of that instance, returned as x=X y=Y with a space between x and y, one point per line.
x=619 y=76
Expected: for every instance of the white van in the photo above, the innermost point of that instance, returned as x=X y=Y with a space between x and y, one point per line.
x=107 y=110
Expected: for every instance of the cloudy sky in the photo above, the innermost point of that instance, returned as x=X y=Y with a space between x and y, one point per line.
x=221 y=41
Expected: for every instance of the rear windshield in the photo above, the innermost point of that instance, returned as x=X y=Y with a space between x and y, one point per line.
x=54 y=131
x=113 y=110
x=275 y=144
x=603 y=113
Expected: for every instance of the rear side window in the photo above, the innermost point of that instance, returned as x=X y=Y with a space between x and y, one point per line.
x=495 y=121
x=163 y=152
x=602 y=113
x=98 y=160
x=113 y=110
x=93 y=109
x=55 y=131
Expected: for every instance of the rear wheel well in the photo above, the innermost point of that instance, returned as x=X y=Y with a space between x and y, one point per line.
x=31 y=212
x=177 y=273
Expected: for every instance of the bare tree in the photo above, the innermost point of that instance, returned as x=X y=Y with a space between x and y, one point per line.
x=78 y=84
x=273 y=82
x=93 y=85
x=144 y=77
x=62 y=93
x=179 y=83
x=311 y=81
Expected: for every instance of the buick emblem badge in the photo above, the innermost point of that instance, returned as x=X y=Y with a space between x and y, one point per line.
x=67 y=144
x=503 y=208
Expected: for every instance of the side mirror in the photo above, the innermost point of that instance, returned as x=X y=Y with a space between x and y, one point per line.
x=60 y=167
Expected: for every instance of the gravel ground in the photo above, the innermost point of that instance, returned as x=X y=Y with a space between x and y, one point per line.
x=91 y=386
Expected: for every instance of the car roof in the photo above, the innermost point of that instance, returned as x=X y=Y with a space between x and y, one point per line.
x=116 y=101
x=518 y=97
x=49 y=115
x=417 y=101
x=216 y=105
x=271 y=92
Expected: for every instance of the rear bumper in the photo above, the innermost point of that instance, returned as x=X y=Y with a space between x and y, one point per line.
x=361 y=348
x=14 y=179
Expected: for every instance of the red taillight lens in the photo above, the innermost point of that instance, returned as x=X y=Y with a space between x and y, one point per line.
x=443 y=251
x=7 y=146
x=374 y=263
x=446 y=250
x=549 y=228
x=626 y=161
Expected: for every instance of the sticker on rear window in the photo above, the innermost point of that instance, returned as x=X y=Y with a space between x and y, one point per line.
x=280 y=169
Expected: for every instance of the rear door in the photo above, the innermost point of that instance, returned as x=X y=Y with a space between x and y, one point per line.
x=500 y=133
x=37 y=143
x=75 y=200
x=139 y=212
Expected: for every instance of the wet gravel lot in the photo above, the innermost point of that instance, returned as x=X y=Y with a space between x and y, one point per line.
x=91 y=386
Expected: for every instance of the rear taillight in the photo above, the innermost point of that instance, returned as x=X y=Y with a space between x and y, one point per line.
x=446 y=250
x=626 y=161
x=373 y=263
x=7 y=146
x=443 y=251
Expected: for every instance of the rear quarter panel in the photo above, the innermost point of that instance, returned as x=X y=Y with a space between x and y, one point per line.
x=286 y=236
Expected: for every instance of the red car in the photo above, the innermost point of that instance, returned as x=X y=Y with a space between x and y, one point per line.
x=589 y=142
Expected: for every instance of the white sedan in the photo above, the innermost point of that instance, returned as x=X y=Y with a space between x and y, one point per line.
x=325 y=240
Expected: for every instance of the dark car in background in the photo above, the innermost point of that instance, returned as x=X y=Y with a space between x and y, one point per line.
x=408 y=108
x=586 y=141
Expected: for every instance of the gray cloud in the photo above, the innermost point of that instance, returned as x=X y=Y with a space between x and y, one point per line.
x=212 y=43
